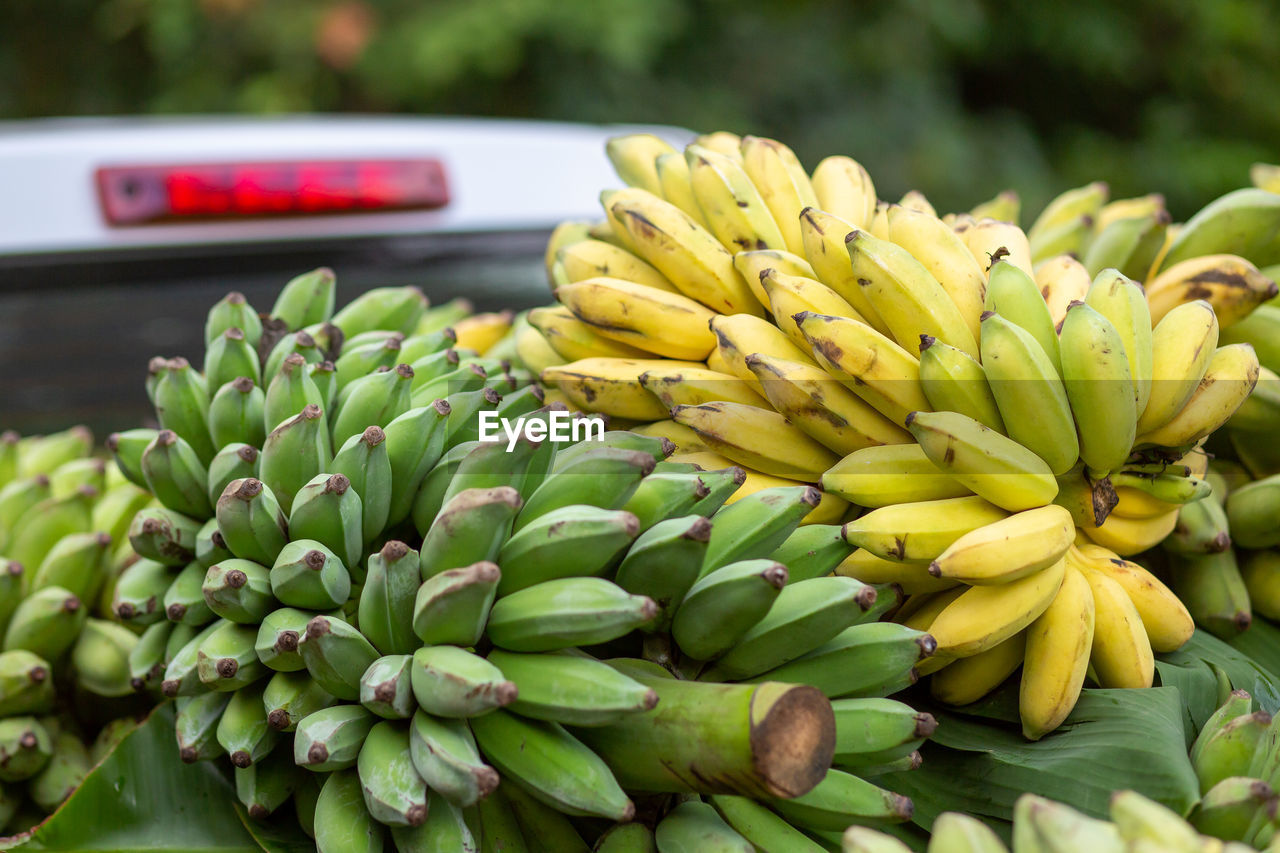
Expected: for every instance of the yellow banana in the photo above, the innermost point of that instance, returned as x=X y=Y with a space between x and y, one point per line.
x=1128 y=536
x=612 y=230
x=685 y=439
x=740 y=335
x=871 y=365
x=1008 y=549
x=1164 y=617
x=1121 y=301
x=985 y=616
x=879 y=226
x=783 y=184
x=890 y=474
x=673 y=176
x=573 y=339
x=1232 y=285
x=969 y=679
x=731 y=204
x=1127 y=208
x=909 y=300
x=633 y=159
x=751 y=264
x=669 y=324
x=922 y=530
x=534 y=350
x=692 y=386
x=1121 y=655
x=611 y=386
x=715 y=361
x=722 y=142
x=1068 y=207
x=682 y=250
x=945 y=256
x=790 y=295
x=758 y=438
x=822 y=407
x=1057 y=656
x=1062 y=280
x=1229 y=378
x=992 y=465
x=1182 y=344
x=845 y=189
x=563 y=235
x=913 y=577
x=831 y=509
x=824 y=245
x=915 y=200
x=592 y=258
x=1135 y=503
x=990 y=240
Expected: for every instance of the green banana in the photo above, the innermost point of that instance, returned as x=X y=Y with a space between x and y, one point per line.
x=289 y=391
x=1124 y=304
x=230 y=356
x=567 y=612
x=290 y=696
x=226 y=658
x=126 y=447
x=1015 y=296
x=251 y=521
x=306 y=299
x=664 y=562
x=237 y=413
x=394 y=793
x=26 y=683
x=157 y=534
x=873 y=730
x=1202 y=528
x=232 y=310
x=452 y=682
x=1229 y=749
x=182 y=405
x=695 y=827
x=66 y=769
x=570 y=541
x=1234 y=808
x=308 y=575
x=374 y=399
x=470 y=528
x=336 y=655
x=299 y=343
x=181 y=669
x=364 y=462
x=394 y=308
x=841 y=799
x=1213 y=590
x=452 y=607
x=196 y=724
x=1251 y=510
x=605 y=477
x=330 y=739
x=25 y=748
x=954 y=382
x=146 y=658
x=100 y=658
x=387 y=599
x=77 y=563
x=293 y=453
x=278 y=637
x=812 y=551
x=722 y=606
x=328 y=510
x=446 y=757
x=761 y=827
x=665 y=494
x=386 y=687
x=233 y=462
x=863 y=660
x=239 y=591
x=576 y=691
x=543 y=826
x=265 y=786
x=342 y=822
x=754 y=526
x=243 y=731
x=364 y=359
x=46 y=622
x=415 y=441
x=1099 y=387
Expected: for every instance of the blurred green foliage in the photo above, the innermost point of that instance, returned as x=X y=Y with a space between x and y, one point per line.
x=957 y=97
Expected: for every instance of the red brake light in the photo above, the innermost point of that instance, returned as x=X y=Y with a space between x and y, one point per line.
x=135 y=195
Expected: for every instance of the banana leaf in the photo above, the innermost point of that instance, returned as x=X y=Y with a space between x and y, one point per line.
x=1261 y=644
x=143 y=799
x=1251 y=661
x=1114 y=739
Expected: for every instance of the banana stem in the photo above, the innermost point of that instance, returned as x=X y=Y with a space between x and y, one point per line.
x=756 y=740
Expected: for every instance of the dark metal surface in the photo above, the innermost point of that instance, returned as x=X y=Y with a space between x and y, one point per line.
x=76 y=331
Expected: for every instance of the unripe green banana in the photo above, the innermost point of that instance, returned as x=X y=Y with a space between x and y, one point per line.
x=754 y=526
x=804 y=615
x=196 y=723
x=116 y=507
x=415 y=441
x=1214 y=592
x=864 y=660
x=425 y=342
x=452 y=607
x=236 y=413
x=306 y=299
x=1099 y=387
x=293 y=453
x=1202 y=528
x=566 y=612
x=146 y=658
x=570 y=541
x=295 y=343
x=182 y=405
x=445 y=828
x=468 y=376
x=445 y=755
x=278 y=637
x=812 y=551
x=164 y=536
x=763 y=828
x=695 y=826
x=547 y=826
x=226 y=659
x=387 y=599
x=1014 y=295
x=8 y=456
x=328 y=510
x=181 y=670
x=126 y=447
x=40 y=528
x=325 y=377
x=330 y=739
x=841 y=799
x=394 y=793
x=290 y=696
x=12 y=576
x=494 y=822
x=25 y=748
x=233 y=462
x=386 y=687
x=289 y=391
x=232 y=310
x=664 y=562
x=265 y=786
x=77 y=563
x=395 y=308
x=1252 y=512
x=471 y=528
x=305 y=797
x=1230 y=749
x=100 y=658
x=874 y=730
x=534 y=752
x=724 y=605
x=1124 y=304
x=306 y=574
x=336 y=655
x=665 y=494
x=42 y=454
x=184 y=600
x=374 y=399
x=242 y=729
x=606 y=478
x=85 y=471
x=26 y=683
x=66 y=769
x=230 y=356
x=251 y=520
x=363 y=359
x=342 y=823
x=239 y=591
x=451 y=682
x=46 y=622
x=363 y=460
x=467 y=411
x=577 y=691
x=1234 y=809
